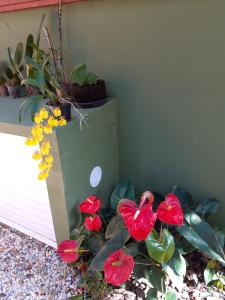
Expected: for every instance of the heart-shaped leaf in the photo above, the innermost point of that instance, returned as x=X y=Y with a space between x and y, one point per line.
x=124 y=190
x=160 y=249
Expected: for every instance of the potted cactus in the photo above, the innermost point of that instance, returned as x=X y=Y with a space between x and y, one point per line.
x=86 y=89
x=3 y=89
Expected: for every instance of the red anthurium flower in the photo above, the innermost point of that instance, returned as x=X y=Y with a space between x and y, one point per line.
x=93 y=223
x=170 y=211
x=118 y=268
x=90 y=205
x=139 y=221
x=67 y=251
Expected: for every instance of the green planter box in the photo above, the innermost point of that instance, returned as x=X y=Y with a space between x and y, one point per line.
x=86 y=160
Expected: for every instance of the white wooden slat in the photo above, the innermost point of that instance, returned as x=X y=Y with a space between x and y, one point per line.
x=24 y=202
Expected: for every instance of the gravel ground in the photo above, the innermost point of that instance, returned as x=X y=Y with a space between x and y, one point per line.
x=30 y=270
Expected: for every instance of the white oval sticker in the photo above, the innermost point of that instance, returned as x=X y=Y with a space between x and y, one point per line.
x=96 y=176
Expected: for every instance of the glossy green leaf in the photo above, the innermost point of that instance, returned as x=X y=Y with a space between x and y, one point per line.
x=210 y=272
x=29 y=48
x=170 y=296
x=176 y=269
x=9 y=73
x=115 y=243
x=124 y=190
x=184 y=247
x=201 y=235
x=184 y=197
x=157 y=279
x=160 y=250
x=207 y=207
x=19 y=54
x=115 y=225
x=11 y=57
x=27 y=104
x=132 y=249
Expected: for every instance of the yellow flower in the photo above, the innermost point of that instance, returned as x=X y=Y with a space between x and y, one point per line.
x=57 y=112
x=37 y=155
x=49 y=159
x=31 y=141
x=42 y=166
x=43 y=175
x=44 y=113
x=47 y=129
x=62 y=122
x=45 y=147
x=36 y=130
x=49 y=166
x=52 y=122
x=37 y=118
x=39 y=137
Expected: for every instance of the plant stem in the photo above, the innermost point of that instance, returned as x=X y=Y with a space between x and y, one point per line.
x=60 y=39
x=50 y=47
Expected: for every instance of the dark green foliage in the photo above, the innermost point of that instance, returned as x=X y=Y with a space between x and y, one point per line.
x=81 y=76
x=207 y=207
x=124 y=190
x=115 y=243
x=201 y=235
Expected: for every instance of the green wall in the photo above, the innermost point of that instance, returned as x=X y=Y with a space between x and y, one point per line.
x=164 y=60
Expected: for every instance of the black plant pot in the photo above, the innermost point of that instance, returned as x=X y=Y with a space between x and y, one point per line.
x=14 y=91
x=64 y=107
x=89 y=95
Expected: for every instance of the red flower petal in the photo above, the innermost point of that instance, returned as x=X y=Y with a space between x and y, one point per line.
x=118 y=267
x=91 y=205
x=67 y=251
x=170 y=211
x=139 y=222
x=146 y=196
x=93 y=223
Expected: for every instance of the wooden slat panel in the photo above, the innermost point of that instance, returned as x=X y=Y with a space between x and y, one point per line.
x=24 y=201
x=12 y=5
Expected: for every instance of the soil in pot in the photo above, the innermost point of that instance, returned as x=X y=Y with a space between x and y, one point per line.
x=14 y=91
x=89 y=95
x=3 y=90
x=64 y=107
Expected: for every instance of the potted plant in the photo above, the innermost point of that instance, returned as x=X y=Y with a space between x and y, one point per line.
x=3 y=88
x=13 y=83
x=14 y=73
x=86 y=89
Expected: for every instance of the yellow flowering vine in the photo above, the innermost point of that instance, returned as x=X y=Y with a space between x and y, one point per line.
x=45 y=122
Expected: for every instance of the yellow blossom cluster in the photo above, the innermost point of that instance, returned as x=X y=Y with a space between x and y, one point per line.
x=45 y=122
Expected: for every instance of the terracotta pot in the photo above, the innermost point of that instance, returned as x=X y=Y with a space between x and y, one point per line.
x=3 y=90
x=14 y=91
x=64 y=107
x=87 y=95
